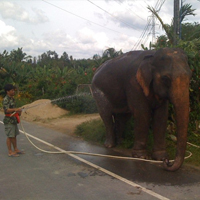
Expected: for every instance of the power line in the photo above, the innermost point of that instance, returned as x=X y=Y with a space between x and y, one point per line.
x=128 y=9
x=79 y=16
x=143 y=34
x=146 y=28
x=112 y=15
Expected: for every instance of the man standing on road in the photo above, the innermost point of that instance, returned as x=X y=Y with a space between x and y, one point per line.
x=10 y=120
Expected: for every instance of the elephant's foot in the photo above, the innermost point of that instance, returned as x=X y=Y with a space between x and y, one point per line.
x=159 y=155
x=140 y=154
x=109 y=143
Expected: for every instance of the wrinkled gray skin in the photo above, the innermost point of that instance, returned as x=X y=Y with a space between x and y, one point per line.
x=141 y=84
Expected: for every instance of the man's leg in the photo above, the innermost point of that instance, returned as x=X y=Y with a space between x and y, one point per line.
x=12 y=132
x=14 y=144
x=9 y=143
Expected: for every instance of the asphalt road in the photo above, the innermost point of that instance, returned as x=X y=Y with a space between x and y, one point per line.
x=41 y=176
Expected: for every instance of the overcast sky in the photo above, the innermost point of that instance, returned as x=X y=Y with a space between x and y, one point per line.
x=80 y=28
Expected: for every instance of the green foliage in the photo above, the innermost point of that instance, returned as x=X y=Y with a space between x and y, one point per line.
x=192 y=48
x=195 y=159
x=162 y=42
x=20 y=102
x=190 y=31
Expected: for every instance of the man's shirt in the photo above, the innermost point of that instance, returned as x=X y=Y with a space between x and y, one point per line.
x=9 y=102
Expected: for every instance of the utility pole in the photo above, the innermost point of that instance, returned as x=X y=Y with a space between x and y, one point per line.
x=180 y=26
x=176 y=21
x=153 y=29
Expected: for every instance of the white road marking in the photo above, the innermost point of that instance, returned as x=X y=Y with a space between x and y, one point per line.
x=139 y=187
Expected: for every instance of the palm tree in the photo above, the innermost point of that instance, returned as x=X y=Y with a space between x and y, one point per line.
x=18 y=55
x=111 y=53
x=186 y=10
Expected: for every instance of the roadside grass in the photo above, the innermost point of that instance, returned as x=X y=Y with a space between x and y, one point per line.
x=195 y=158
x=94 y=131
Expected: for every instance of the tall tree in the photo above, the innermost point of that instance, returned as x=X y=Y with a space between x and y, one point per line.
x=18 y=55
x=111 y=53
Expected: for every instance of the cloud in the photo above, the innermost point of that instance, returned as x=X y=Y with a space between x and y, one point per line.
x=123 y=42
x=10 y=39
x=92 y=41
x=14 y=11
x=8 y=36
x=5 y=29
x=40 y=17
x=85 y=43
x=122 y=15
x=86 y=36
x=128 y=20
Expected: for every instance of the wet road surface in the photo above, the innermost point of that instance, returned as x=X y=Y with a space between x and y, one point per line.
x=37 y=175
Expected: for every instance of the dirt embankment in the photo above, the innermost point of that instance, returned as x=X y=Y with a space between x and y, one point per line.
x=47 y=114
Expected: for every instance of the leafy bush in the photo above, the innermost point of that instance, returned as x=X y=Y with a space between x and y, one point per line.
x=192 y=50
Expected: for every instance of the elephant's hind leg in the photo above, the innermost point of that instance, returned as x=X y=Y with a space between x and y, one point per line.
x=110 y=136
x=105 y=111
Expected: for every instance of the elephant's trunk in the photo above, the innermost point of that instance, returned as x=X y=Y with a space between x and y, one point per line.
x=180 y=100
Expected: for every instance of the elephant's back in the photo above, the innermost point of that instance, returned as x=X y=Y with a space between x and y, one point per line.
x=117 y=65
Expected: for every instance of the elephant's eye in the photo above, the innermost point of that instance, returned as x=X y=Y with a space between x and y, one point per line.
x=166 y=80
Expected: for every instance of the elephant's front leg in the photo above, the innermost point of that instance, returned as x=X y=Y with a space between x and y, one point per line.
x=160 y=117
x=120 y=123
x=141 y=129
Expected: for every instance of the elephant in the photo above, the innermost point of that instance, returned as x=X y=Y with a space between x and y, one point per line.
x=142 y=84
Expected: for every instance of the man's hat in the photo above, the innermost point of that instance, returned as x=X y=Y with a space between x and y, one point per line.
x=9 y=87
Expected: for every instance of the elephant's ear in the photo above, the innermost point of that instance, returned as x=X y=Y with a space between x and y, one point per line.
x=144 y=74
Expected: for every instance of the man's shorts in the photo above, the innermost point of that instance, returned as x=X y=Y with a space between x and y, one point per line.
x=11 y=130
